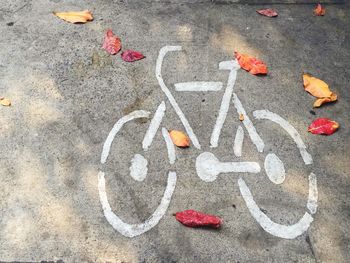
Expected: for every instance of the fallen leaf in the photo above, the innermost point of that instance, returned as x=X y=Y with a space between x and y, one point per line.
x=111 y=43
x=192 y=218
x=319 y=10
x=250 y=64
x=5 y=102
x=319 y=89
x=131 y=55
x=321 y=101
x=316 y=87
x=75 y=17
x=179 y=138
x=323 y=126
x=267 y=12
x=241 y=117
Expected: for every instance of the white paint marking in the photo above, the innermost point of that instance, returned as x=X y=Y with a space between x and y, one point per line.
x=254 y=136
x=199 y=86
x=209 y=167
x=233 y=66
x=132 y=230
x=170 y=97
x=265 y=114
x=313 y=194
x=119 y=124
x=274 y=168
x=153 y=127
x=283 y=231
x=229 y=65
x=138 y=168
x=169 y=145
x=237 y=146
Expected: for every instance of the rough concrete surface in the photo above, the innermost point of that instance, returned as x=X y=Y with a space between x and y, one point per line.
x=67 y=94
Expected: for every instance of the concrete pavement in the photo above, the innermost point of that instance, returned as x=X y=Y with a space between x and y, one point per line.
x=67 y=94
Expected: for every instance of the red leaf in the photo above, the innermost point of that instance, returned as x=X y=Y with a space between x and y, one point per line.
x=111 y=43
x=192 y=218
x=319 y=10
x=131 y=55
x=253 y=65
x=267 y=12
x=323 y=126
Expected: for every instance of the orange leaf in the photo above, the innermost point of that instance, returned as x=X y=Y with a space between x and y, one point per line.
x=321 y=101
x=241 y=117
x=75 y=17
x=251 y=64
x=319 y=10
x=319 y=89
x=323 y=126
x=179 y=138
x=316 y=87
x=5 y=102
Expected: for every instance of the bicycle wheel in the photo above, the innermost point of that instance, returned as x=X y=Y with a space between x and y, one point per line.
x=138 y=171
x=283 y=231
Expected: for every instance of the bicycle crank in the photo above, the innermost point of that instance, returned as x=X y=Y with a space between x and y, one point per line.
x=209 y=167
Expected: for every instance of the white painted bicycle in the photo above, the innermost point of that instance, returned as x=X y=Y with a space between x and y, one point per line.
x=207 y=165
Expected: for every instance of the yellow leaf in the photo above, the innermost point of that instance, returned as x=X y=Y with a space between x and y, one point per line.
x=5 y=102
x=319 y=102
x=75 y=17
x=316 y=87
x=179 y=138
x=319 y=89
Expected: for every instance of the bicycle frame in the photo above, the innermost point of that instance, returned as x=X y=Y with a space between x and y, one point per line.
x=232 y=66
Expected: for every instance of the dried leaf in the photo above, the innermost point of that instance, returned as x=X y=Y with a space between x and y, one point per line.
x=251 y=64
x=319 y=10
x=192 y=218
x=131 y=55
x=75 y=17
x=267 y=12
x=316 y=87
x=323 y=126
x=319 y=89
x=111 y=43
x=179 y=138
x=241 y=117
x=5 y=102
x=321 y=101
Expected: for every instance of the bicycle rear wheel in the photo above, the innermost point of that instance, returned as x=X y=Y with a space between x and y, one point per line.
x=283 y=231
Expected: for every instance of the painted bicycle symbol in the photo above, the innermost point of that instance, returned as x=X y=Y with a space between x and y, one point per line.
x=208 y=167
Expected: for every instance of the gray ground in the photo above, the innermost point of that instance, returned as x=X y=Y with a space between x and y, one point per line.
x=67 y=94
